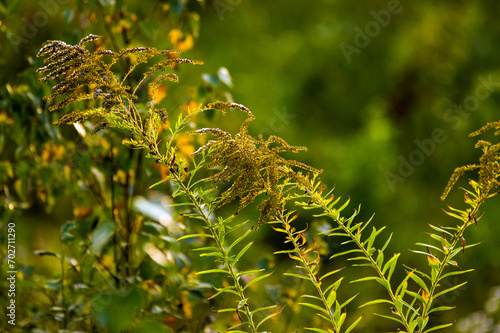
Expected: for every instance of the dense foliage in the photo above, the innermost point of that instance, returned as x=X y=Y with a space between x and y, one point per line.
x=155 y=237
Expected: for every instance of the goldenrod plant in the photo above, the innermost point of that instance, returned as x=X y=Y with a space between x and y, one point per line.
x=253 y=169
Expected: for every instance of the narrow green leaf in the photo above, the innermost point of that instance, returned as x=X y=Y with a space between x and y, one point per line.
x=444 y=276
x=229 y=289
x=377 y=301
x=380 y=258
x=386 y=243
x=226 y=310
x=353 y=325
x=435 y=328
x=206 y=248
x=265 y=308
x=390 y=318
x=250 y=272
x=441 y=308
x=449 y=289
x=160 y=182
x=334 y=285
x=372 y=237
x=239 y=240
x=314 y=306
x=431 y=246
x=368 y=278
x=284 y=251
x=402 y=286
x=416 y=296
x=344 y=205
x=325 y=318
x=419 y=281
x=345 y=252
x=329 y=274
x=210 y=271
x=257 y=279
x=315 y=330
x=242 y=252
x=312 y=296
x=211 y=254
x=343 y=305
x=269 y=317
x=384 y=283
x=305 y=277
x=391 y=263
x=440 y=230
x=332 y=297
x=341 y=320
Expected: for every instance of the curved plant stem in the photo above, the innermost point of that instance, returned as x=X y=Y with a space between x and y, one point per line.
x=444 y=261
x=283 y=218
x=319 y=200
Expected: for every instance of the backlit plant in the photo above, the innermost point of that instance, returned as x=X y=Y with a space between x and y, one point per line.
x=254 y=169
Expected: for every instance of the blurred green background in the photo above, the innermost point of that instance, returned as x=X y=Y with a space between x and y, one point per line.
x=383 y=93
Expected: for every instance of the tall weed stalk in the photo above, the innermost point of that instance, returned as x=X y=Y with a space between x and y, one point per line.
x=256 y=169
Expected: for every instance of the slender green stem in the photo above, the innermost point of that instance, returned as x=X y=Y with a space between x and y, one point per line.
x=443 y=262
x=358 y=243
x=196 y=201
x=199 y=207
x=305 y=264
